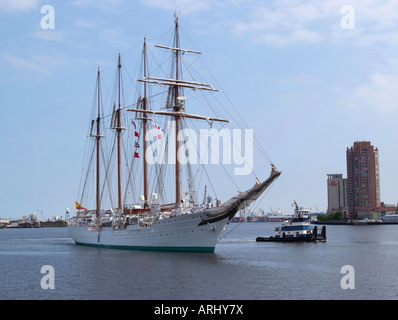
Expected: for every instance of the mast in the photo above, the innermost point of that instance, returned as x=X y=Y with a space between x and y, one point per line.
x=119 y=152
x=145 y=130
x=177 y=118
x=179 y=106
x=98 y=138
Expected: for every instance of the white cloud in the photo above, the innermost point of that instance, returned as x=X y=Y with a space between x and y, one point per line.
x=306 y=36
x=299 y=36
x=85 y=24
x=185 y=6
x=113 y=37
x=282 y=23
x=289 y=22
x=21 y=63
x=17 y=5
x=37 y=63
x=47 y=35
x=109 y=6
x=381 y=93
x=97 y=3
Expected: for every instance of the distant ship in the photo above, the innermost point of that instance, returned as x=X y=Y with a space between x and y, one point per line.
x=182 y=225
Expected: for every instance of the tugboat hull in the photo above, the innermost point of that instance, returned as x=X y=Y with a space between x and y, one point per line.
x=312 y=237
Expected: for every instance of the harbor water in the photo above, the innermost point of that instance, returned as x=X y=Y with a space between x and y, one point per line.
x=240 y=268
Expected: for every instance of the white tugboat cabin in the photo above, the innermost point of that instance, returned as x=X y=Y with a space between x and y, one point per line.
x=296 y=229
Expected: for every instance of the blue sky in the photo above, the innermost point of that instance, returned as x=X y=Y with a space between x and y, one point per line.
x=307 y=87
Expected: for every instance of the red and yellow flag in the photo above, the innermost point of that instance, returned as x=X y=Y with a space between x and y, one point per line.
x=79 y=206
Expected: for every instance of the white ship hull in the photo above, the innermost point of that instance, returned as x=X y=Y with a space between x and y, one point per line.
x=196 y=230
x=179 y=233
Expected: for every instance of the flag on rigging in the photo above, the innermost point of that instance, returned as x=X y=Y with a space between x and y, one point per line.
x=79 y=206
x=135 y=129
x=156 y=126
x=136 y=155
x=137 y=145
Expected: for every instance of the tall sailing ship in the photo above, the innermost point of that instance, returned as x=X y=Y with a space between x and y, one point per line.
x=153 y=223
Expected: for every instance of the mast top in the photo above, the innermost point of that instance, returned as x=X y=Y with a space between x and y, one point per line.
x=176 y=16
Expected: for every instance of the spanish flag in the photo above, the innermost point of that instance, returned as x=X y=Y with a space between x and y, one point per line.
x=79 y=206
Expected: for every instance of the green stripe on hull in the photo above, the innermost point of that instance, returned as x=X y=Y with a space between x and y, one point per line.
x=149 y=248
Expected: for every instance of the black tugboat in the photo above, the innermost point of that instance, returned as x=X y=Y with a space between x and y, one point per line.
x=297 y=229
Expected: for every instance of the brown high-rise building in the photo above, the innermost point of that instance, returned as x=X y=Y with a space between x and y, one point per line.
x=363 y=178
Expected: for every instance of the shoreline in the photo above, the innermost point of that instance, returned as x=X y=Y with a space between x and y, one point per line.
x=339 y=222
